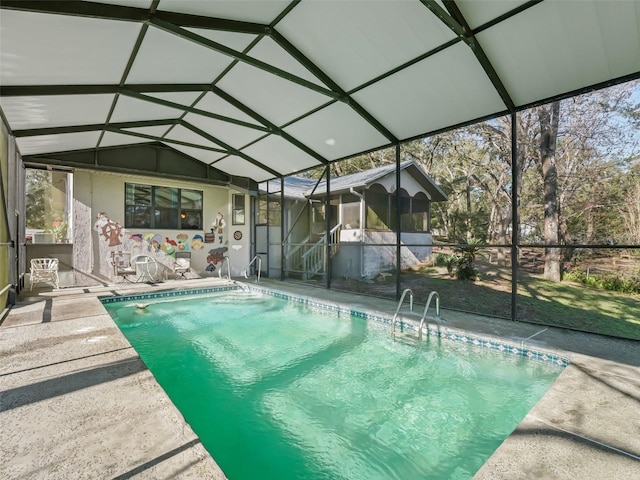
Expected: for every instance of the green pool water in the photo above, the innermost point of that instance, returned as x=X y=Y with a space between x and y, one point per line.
x=276 y=390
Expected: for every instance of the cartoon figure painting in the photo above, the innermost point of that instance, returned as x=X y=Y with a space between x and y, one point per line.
x=197 y=243
x=215 y=256
x=183 y=241
x=107 y=228
x=218 y=226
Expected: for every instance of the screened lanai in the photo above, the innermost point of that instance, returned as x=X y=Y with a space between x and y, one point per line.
x=236 y=93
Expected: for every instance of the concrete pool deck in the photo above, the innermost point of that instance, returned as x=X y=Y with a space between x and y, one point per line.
x=76 y=401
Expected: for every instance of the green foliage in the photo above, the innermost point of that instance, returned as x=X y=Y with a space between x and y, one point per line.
x=616 y=282
x=38 y=185
x=461 y=263
x=59 y=230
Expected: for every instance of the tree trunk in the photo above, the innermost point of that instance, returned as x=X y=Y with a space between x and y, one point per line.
x=468 y=210
x=548 y=116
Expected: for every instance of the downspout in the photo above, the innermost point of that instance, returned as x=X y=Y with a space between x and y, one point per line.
x=361 y=197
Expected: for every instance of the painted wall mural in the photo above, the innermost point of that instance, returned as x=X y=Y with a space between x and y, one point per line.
x=108 y=230
x=218 y=227
x=216 y=255
x=197 y=242
x=112 y=237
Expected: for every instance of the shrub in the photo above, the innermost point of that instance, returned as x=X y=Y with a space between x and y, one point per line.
x=606 y=281
x=466 y=260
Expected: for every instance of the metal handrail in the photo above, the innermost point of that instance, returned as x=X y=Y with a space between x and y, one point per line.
x=393 y=321
x=228 y=268
x=246 y=270
x=426 y=308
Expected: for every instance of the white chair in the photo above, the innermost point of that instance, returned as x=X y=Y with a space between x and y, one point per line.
x=44 y=270
x=122 y=266
x=147 y=268
x=182 y=264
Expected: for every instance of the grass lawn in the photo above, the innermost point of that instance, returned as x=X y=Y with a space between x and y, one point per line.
x=564 y=304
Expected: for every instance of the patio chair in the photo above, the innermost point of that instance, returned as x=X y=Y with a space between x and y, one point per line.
x=122 y=266
x=146 y=267
x=182 y=264
x=44 y=270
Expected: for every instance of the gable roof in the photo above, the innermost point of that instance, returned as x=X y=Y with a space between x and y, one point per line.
x=300 y=188
x=270 y=88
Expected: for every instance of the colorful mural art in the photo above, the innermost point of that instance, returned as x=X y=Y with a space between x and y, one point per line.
x=216 y=255
x=197 y=242
x=108 y=229
x=218 y=226
x=112 y=237
x=183 y=242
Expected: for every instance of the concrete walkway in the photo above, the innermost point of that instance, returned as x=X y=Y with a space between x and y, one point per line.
x=77 y=402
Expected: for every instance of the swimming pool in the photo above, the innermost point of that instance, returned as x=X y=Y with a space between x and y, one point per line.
x=279 y=389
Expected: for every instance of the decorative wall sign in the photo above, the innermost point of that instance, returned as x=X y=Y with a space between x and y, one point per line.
x=237 y=235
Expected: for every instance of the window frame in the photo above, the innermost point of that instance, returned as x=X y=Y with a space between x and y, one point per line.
x=236 y=211
x=177 y=214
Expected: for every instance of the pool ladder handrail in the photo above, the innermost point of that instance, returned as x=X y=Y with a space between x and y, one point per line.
x=404 y=294
x=228 y=268
x=426 y=309
x=259 y=267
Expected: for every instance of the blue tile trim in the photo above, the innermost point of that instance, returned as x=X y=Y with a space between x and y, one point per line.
x=440 y=331
x=166 y=294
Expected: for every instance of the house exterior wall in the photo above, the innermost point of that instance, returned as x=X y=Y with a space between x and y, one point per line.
x=407 y=183
x=97 y=193
x=377 y=253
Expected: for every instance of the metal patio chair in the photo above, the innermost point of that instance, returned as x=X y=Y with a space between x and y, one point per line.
x=182 y=264
x=122 y=266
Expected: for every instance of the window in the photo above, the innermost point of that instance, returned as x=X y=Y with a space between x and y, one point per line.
x=377 y=202
x=350 y=211
x=49 y=196
x=268 y=211
x=148 y=206
x=420 y=213
x=414 y=212
x=237 y=213
x=190 y=209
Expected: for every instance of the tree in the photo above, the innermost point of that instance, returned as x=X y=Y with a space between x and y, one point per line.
x=37 y=202
x=549 y=118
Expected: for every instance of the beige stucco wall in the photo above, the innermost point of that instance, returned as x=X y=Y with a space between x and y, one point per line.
x=96 y=192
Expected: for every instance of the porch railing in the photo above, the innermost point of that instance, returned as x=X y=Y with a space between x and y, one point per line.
x=314 y=259
x=293 y=255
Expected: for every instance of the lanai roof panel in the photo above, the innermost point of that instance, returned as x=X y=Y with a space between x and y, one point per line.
x=168 y=58
x=64 y=142
x=322 y=80
x=578 y=47
x=354 y=42
x=46 y=111
x=241 y=167
x=42 y=49
x=255 y=11
x=445 y=89
x=335 y=131
x=205 y=156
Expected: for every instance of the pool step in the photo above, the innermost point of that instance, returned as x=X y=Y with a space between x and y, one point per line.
x=408 y=338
